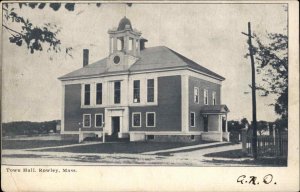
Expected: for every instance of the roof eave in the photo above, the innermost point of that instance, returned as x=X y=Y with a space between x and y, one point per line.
x=220 y=78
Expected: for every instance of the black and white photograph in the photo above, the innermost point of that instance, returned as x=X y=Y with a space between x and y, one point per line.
x=192 y=85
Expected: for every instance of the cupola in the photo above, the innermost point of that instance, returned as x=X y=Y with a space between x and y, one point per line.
x=124 y=45
x=125 y=38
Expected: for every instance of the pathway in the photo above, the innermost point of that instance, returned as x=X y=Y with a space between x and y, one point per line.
x=199 y=146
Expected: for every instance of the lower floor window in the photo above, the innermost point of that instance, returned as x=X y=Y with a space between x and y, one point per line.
x=150 y=137
x=86 y=120
x=150 y=119
x=192 y=119
x=99 y=120
x=136 y=119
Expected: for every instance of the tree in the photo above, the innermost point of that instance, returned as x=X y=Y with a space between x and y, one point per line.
x=233 y=126
x=36 y=38
x=272 y=66
x=262 y=126
x=244 y=123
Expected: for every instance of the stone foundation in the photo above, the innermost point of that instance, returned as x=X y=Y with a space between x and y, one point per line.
x=173 y=138
x=137 y=137
x=164 y=138
x=212 y=136
x=225 y=136
x=70 y=137
x=123 y=135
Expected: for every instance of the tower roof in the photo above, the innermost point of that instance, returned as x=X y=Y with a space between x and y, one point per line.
x=122 y=24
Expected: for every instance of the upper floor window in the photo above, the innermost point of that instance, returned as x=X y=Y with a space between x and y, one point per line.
x=99 y=120
x=205 y=96
x=150 y=119
x=117 y=92
x=196 y=95
x=136 y=91
x=150 y=90
x=87 y=94
x=86 y=120
x=214 y=98
x=99 y=93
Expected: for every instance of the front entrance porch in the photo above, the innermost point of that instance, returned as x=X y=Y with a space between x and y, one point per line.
x=215 y=123
x=116 y=122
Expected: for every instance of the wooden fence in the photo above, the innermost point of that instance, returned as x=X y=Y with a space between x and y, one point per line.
x=268 y=146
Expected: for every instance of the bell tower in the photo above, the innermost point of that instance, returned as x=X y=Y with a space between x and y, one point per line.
x=124 y=46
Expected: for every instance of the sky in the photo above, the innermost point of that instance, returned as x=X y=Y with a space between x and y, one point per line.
x=209 y=34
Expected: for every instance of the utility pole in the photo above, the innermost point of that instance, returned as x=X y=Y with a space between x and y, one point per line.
x=103 y=132
x=254 y=123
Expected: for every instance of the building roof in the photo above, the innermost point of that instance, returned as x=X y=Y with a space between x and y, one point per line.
x=153 y=58
x=122 y=24
x=206 y=109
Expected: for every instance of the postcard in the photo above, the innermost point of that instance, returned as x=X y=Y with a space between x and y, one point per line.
x=150 y=96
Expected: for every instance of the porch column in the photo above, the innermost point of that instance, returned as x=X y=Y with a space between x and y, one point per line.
x=114 y=44
x=110 y=45
x=226 y=125
x=220 y=123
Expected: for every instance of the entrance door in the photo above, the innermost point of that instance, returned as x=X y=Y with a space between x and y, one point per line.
x=205 y=122
x=115 y=126
x=223 y=124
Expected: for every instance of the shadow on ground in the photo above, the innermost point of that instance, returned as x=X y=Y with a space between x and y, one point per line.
x=122 y=147
x=27 y=144
x=193 y=149
x=23 y=156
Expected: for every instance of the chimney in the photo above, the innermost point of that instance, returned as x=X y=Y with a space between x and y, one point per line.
x=142 y=43
x=85 y=57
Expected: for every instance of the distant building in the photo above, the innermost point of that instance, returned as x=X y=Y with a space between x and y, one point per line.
x=143 y=94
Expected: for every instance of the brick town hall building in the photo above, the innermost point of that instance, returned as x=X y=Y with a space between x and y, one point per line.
x=142 y=94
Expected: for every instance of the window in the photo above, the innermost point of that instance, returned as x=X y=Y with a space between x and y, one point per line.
x=192 y=119
x=99 y=93
x=150 y=90
x=150 y=137
x=136 y=119
x=117 y=92
x=192 y=137
x=87 y=94
x=86 y=120
x=99 y=120
x=214 y=98
x=196 y=95
x=150 y=119
x=205 y=97
x=136 y=91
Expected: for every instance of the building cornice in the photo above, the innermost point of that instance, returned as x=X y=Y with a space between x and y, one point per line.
x=140 y=72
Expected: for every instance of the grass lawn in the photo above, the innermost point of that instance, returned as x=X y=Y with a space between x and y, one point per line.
x=27 y=144
x=227 y=154
x=237 y=154
x=123 y=147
